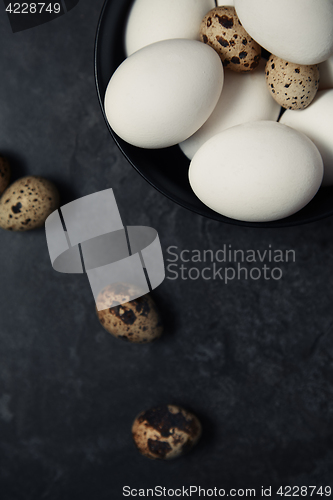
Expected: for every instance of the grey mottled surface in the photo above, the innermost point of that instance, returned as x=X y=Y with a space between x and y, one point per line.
x=253 y=359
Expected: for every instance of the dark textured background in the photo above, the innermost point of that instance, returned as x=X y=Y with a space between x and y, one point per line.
x=254 y=359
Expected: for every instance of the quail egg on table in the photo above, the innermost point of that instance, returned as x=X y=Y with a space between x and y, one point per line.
x=165 y=432
x=27 y=203
x=136 y=321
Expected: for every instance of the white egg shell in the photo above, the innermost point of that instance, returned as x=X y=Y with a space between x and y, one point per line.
x=163 y=93
x=257 y=172
x=316 y=121
x=151 y=21
x=326 y=74
x=298 y=31
x=244 y=98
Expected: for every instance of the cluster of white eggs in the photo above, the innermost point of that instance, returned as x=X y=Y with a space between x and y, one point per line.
x=172 y=89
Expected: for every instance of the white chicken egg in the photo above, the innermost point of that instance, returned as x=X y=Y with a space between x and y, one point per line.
x=298 y=31
x=244 y=98
x=163 y=93
x=316 y=121
x=151 y=21
x=257 y=172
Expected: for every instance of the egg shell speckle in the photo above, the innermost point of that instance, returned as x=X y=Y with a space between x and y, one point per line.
x=136 y=321
x=165 y=432
x=27 y=203
x=293 y=86
x=257 y=172
x=4 y=174
x=222 y=30
x=316 y=121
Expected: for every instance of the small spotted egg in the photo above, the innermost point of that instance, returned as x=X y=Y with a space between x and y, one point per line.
x=27 y=203
x=293 y=86
x=137 y=321
x=165 y=432
x=223 y=31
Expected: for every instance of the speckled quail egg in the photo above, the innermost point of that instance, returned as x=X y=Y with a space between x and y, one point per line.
x=4 y=174
x=27 y=203
x=165 y=432
x=223 y=31
x=293 y=86
x=136 y=321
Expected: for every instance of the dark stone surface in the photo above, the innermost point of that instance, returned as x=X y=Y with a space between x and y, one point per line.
x=253 y=359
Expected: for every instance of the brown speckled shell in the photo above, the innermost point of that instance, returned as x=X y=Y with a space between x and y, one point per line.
x=165 y=432
x=137 y=321
x=27 y=203
x=293 y=86
x=223 y=31
x=4 y=174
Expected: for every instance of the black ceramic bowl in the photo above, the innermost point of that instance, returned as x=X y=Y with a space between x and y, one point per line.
x=167 y=169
